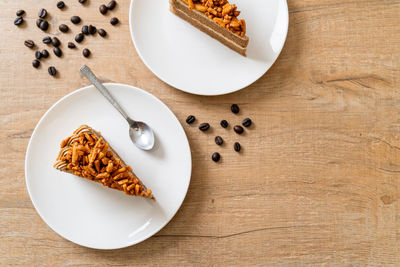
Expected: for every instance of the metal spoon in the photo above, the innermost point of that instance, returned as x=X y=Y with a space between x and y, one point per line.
x=141 y=134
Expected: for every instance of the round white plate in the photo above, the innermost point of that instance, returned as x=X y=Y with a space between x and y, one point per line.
x=188 y=59
x=89 y=213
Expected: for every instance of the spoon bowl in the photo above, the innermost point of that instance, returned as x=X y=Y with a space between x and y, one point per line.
x=142 y=135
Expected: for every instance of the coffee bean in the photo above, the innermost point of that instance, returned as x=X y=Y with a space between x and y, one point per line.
x=190 y=119
x=55 y=42
x=103 y=9
x=86 y=52
x=235 y=108
x=204 y=126
x=216 y=157
x=114 y=21
x=38 y=55
x=18 y=21
x=38 y=21
x=57 y=51
x=52 y=70
x=75 y=19
x=47 y=40
x=44 y=25
x=238 y=129
x=60 y=4
x=20 y=12
x=42 y=13
x=71 y=45
x=224 y=123
x=102 y=32
x=79 y=37
x=45 y=53
x=85 y=29
x=36 y=63
x=29 y=43
x=63 y=28
x=218 y=140
x=92 y=29
x=246 y=122
x=82 y=1
x=111 y=5
x=236 y=146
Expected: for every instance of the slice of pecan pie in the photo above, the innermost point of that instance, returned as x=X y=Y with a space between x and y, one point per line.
x=86 y=154
x=217 y=18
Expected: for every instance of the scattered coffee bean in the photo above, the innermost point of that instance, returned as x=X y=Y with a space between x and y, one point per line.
x=52 y=70
x=246 y=122
x=114 y=21
x=190 y=119
x=218 y=140
x=60 y=4
x=44 y=25
x=236 y=146
x=42 y=13
x=36 y=63
x=55 y=42
x=85 y=29
x=38 y=55
x=75 y=19
x=86 y=52
x=38 y=21
x=18 y=21
x=204 y=126
x=47 y=40
x=29 y=43
x=224 y=123
x=111 y=5
x=45 y=53
x=235 y=108
x=20 y=12
x=238 y=129
x=92 y=29
x=71 y=45
x=103 y=9
x=102 y=32
x=216 y=157
x=57 y=51
x=63 y=28
x=79 y=37
x=82 y=1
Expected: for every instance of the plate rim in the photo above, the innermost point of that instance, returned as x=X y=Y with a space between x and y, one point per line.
x=28 y=149
x=233 y=89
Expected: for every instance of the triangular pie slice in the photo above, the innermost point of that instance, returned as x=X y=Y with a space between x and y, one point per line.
x=88 y=155
x=217 y=18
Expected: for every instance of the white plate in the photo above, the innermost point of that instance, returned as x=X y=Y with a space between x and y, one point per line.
x=188 y=59
x=88 y=213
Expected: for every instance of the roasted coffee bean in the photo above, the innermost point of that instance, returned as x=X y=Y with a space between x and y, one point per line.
x=63 y=28
x=71 y=45
x=103 y=9
x=57 y=51
x=92 y=29
x=18 y=21
x=38 y=55
x=114 y=21
x=75 y=19
x=224 y=123
x=86 y=52
x=238 y=129
x=44 y=25
x=45 y=53
x=216 y=157
x=218 y=140
x=82 y=1
x=79 y=37
x=29 y=43
x=85 y=29
x=20 y=12
x=246 y=122
x=111 y=5
x=204 y=126
x=190 y=119
x=42 y=13
x=38 y=21
x=47 y=40
x=36 y=63
x=102 y=32
x=52 y=70
x=60 y=4
x=236 y=146
x=55 y=41
x=235 y=108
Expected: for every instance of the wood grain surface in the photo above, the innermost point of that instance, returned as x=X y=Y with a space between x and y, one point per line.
x=317 y=182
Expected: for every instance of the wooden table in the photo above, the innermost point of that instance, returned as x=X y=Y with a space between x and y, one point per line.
x=318 y=180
